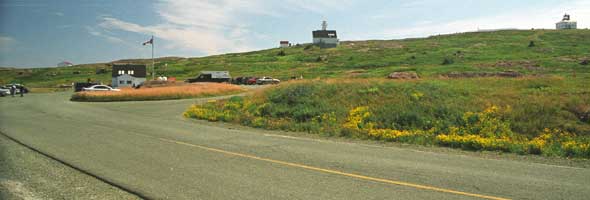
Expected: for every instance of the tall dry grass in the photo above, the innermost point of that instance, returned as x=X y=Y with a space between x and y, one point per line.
x=160 y=93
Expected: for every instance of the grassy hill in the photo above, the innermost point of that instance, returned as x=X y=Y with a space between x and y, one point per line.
x=554 y=52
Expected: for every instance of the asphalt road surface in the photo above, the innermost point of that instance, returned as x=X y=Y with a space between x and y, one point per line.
x=29 y=175
x=149 y=148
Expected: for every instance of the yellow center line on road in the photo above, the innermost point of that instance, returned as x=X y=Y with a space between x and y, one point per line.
x=424 y=187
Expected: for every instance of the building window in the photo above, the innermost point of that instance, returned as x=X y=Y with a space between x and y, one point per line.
x=128 y=82
x=131 y=72
x=121 y=72
x=121 y=82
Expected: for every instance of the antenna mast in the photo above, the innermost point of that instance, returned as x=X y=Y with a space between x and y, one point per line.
x=324 y=25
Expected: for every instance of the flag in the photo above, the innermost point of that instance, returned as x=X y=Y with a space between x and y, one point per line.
x=151 y=41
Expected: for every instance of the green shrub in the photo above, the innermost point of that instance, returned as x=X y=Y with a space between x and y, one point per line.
x=447 y=61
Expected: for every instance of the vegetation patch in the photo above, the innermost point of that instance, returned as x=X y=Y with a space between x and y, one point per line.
x=534 y=115
x=159 y=93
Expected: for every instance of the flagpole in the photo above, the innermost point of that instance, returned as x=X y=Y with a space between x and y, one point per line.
x=153 y=62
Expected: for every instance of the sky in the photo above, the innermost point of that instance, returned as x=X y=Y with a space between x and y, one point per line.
x=41 y=33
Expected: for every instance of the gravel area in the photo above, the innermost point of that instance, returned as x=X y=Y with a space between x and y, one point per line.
x=26 y=174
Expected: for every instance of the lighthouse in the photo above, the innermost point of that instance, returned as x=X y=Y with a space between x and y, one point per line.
x=325 y=38
x=566 y=23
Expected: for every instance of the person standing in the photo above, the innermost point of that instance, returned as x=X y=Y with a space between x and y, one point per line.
x=12 y=90
x=22 y=90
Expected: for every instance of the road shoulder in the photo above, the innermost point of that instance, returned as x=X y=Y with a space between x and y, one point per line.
x=26 y=174
x=493 y=155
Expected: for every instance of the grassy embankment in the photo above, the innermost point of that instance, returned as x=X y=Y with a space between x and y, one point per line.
x=535 y=115
x=160 y=93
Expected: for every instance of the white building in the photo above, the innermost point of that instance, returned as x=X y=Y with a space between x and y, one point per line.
x=127 y=75
x=65 y=64
x=285 y=44
x=566 y=23
x=325 y=38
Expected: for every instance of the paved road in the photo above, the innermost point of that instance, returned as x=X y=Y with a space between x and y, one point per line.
x=149 y=148
x=29 y=175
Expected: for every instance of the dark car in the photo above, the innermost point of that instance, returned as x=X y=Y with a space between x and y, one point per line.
x=238 y=80
x=241 y=80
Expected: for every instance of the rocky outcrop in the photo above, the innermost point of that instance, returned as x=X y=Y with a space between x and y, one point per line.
x=403 y=75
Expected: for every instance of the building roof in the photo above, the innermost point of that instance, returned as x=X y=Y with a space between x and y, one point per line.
x=325 y=34
x=284 y=42
x=217 y=74
x=65 y=63
x=139 y=71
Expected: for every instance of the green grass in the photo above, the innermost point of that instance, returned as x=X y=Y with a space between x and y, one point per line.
x=555 y=52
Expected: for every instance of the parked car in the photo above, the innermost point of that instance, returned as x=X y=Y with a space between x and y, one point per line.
x=267 y=80
x=238 y=80
x=4 y=91
x=100 y=88
x=242 y=80
x=79 y=86
x=251 y=81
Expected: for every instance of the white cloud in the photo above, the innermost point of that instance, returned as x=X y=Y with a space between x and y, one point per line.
x=209 y=27
x=110 y=38
x=521 y=19
x=60 y=14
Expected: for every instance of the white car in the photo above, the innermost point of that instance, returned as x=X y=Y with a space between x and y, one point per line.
x=267 y=80
x=100 y=88
x=4 y=91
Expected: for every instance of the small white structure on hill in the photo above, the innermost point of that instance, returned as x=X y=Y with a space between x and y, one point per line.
x=285 y=44
x=127 y=75
x=65 y=64
x=566 y=23
x=325 y=38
